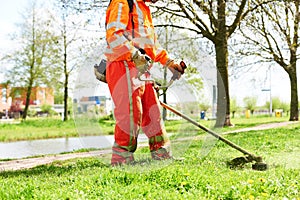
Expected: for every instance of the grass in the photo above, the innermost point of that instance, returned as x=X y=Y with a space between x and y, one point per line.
x=42 y=128
x=37 y=129
x=197 y=177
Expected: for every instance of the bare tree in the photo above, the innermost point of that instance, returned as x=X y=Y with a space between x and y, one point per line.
x=274 y=37
x=215 y=21
x=73 y=42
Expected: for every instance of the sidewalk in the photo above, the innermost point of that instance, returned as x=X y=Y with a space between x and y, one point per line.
x=263 y=127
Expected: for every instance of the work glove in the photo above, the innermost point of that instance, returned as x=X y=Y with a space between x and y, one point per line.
x=175 y=68
x=141 y=62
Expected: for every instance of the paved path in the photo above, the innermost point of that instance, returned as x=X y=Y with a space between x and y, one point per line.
x=33 y=162
x=28 y=163
x=263 y=127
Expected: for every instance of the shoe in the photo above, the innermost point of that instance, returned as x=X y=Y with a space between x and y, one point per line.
x=118 y=160
x=160 y=154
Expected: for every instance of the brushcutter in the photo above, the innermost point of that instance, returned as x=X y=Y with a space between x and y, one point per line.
x=236 y=162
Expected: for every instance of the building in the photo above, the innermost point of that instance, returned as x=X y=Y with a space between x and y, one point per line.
x=13 y=99
x=97 y=104
x=5 y=102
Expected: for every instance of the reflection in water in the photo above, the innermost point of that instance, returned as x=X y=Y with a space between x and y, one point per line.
x=24 y=149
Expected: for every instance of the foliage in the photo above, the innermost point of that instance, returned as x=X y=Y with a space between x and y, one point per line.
x=285 y=106
x=46 y=108
x=234 y=107
x=276 y=104
x=204 y=106
x=37 y=51
x=250 y=103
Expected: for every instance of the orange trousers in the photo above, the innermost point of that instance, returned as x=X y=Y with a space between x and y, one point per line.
x=136 y=106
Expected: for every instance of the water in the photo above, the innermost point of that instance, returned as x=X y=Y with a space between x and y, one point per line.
x=24 y=149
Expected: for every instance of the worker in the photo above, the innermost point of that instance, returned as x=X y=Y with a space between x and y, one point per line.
x=131 y=39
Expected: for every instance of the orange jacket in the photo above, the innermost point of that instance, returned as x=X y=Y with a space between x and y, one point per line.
x=122 y=39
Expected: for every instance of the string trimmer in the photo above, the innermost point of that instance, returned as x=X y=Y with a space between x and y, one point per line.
x=236 y=162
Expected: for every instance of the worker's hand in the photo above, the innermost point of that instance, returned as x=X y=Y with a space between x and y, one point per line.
x=140 y=61
x=176 y=68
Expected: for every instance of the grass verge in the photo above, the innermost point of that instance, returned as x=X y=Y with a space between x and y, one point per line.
x=197 y=177
x=42 y=128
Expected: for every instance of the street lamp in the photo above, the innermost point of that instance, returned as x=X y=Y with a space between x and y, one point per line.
x=269 y=90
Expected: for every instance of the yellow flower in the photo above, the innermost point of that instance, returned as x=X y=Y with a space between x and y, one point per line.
x=264 y=194
x=262 y=180
x=251 y=197
x=183 y=183
x=250 y=181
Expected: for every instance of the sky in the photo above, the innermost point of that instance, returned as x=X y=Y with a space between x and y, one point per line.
x=250 y=84
x=9 y=15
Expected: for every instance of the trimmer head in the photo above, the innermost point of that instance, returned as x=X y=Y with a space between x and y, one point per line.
x=241 y=161
x=260 y=166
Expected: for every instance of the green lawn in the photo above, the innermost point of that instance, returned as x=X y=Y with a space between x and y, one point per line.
x=41 y=128
x=197 y=177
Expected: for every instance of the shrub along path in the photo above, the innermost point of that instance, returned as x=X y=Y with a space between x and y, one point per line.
x=28 y=163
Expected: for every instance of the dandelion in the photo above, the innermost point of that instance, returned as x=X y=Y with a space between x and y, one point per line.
x=264 y=194
x=183 y=183
x=262 y=180
x=186 y=174
x=250 y=181
x=251 y=197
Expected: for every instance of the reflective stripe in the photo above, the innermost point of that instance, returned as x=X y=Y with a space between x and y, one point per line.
x=144 y=34
x=132 y=134
x=141 y=19
x=130 y=148
x=119 y=12
x=156 y=139
x=117 y=25
x=118 y=41
x=144 y=41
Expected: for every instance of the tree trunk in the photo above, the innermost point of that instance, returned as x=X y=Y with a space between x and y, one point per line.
x=221 y=46
x=66 y=99
x=223 y=101
x=28 y=94
x=294 y=93
x=66 y=74
x=66 y=88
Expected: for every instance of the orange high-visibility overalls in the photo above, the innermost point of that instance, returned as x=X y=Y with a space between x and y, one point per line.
x=136 y=103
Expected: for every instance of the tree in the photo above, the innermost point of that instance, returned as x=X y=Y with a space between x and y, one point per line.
x=233 y=106
x=32 y=61
x=75 y=43
x=274 y=37
x=250 y=103
x=285 y=107
x=278 y=104
x=215 y=21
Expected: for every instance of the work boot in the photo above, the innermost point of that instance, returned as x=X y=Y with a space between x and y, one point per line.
x=160 y=154
x=123 y=158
